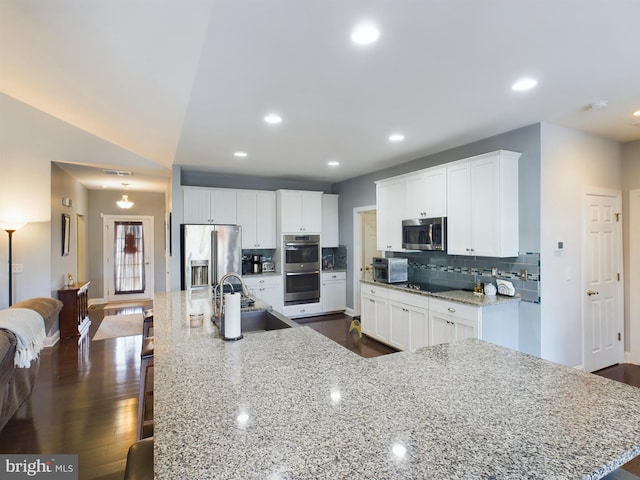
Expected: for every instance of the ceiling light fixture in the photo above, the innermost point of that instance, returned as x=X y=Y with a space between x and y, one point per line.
x=636 y=113
x=396 y=137
x=524 y=84
x=333 y=163
x=273 y=119
x=124 y=202
x=599 y=105
x=240 y=154
x=365 y=34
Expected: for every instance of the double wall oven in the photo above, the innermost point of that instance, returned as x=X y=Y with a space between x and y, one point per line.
x=301 y=269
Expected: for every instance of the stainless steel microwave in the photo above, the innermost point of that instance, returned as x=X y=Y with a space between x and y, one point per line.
x=425 y=234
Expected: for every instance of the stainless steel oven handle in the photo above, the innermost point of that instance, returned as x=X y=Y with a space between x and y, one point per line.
x=303 y=273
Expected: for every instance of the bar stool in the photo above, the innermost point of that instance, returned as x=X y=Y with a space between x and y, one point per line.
x=140 y=460
x=147 y=324
x=145 y=395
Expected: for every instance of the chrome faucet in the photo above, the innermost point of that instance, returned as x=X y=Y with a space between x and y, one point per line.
x=220 y=288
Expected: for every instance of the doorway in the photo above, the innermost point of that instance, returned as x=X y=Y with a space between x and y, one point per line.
x=81 y=242
x=602 y=313
x=364 y=248
x=128 y=257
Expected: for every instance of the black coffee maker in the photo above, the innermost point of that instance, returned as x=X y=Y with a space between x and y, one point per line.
x=247 y=264
x=256 y=264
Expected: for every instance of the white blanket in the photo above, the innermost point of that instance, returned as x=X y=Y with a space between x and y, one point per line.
x=28 y=327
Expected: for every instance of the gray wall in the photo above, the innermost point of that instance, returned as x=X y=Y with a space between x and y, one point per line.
x=361 y=191
x=64 y=185
x=145 y=203
x=195 y=178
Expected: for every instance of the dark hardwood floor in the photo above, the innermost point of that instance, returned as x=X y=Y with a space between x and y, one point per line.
x=85 y=398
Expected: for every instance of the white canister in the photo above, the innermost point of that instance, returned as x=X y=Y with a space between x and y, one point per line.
x=489 y=289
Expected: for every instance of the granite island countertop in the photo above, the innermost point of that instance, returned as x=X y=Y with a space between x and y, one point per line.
x=292 y=404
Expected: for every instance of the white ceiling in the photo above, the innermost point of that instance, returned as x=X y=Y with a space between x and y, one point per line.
x=188 y=81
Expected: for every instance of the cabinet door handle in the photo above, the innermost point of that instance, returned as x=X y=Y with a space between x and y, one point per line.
x=451 y=309
x=405 y=309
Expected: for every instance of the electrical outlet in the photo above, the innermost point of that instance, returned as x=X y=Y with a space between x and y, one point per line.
x=523 y=274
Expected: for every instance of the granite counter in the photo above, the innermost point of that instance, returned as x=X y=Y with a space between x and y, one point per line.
x=292 y=404
x=460 y=296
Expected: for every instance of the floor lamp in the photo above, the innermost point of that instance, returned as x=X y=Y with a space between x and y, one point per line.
x=10 y=228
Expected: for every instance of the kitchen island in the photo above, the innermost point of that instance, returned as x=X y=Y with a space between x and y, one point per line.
x=292 y=404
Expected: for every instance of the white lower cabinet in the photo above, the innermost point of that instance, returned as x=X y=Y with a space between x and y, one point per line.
x=333 y=293
x=408 y=320
x=450 y=321
x=374 y=316
x=269 y=289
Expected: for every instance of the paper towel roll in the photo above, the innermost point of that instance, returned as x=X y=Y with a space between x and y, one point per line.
x=231 y=327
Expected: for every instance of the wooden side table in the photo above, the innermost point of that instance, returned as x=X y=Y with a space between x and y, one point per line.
x=74 y=316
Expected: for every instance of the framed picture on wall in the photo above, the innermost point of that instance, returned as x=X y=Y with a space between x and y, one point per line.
x=66 y=231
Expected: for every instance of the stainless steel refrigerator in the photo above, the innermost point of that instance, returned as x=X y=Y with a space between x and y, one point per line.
x=207 y=253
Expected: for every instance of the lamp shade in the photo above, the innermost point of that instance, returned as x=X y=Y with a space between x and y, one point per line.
x=13 y=226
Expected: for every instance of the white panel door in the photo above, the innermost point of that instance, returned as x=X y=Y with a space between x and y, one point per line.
x=602 y=309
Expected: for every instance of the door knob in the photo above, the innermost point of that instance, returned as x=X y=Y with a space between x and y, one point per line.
x=592 y=292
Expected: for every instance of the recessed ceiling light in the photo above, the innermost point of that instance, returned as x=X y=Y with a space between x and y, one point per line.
x=365 y=34
x=396 y=137
x=636 y=113
x=333 y=163
x=524 y=84
x=273 y=119
x=240 y=154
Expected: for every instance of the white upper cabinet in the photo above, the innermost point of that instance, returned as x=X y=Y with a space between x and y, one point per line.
x=330 y=229
x=256 y=214
x=426 y=194
x=209 y=205
x=482 y=205
x=299 y=211
x=390 y=200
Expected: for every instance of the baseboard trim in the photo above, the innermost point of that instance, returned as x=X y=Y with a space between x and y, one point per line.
x=97 y=301
x=52 y=340
x=350 y=312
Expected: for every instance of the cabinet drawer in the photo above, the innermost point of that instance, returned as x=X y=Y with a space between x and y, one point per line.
x=458 y=310
x=302 y=310
x=328 y=276
x=375 y=291
x=259 y=281
x=413 y=299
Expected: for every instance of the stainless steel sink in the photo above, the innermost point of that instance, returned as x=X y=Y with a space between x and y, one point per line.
x=263 y=320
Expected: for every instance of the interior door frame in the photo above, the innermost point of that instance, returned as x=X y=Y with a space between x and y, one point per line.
x=107 y=245
x=617 y=194
x=357 y=254
x=634 y=276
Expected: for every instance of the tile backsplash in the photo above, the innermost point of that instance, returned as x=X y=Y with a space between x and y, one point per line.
x=462 y=273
